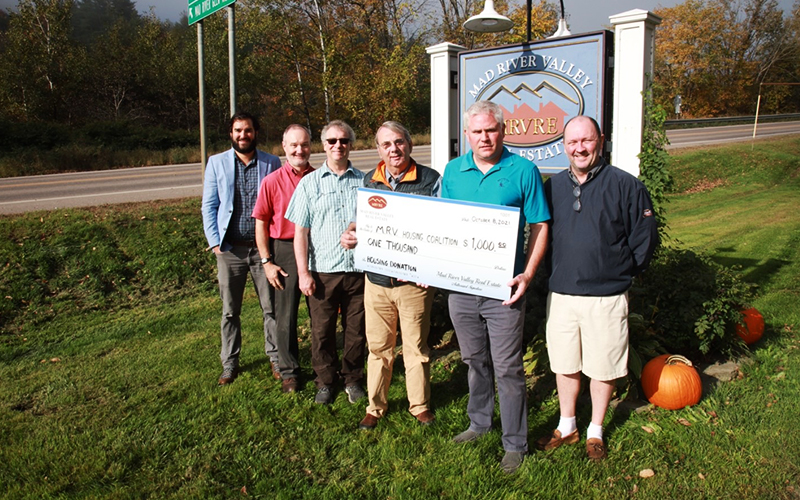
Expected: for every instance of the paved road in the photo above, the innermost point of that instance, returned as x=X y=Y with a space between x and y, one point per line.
x=48 y=192
x=691 y=137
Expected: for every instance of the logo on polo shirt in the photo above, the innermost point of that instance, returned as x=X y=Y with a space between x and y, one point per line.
x=377 y=202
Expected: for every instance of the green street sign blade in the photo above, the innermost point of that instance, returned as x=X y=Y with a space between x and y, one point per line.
x=198 y=9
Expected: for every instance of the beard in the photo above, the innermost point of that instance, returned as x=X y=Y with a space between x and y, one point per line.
x=249 y=148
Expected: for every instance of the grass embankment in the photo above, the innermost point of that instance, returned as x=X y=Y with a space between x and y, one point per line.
x=110 y=357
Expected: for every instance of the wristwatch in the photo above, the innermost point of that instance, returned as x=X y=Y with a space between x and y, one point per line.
x=265 y=260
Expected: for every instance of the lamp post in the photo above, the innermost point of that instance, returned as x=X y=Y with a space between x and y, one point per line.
x=489 y=21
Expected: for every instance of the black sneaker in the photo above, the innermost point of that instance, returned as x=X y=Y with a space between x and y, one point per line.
x=354 y=393
x=324 y=396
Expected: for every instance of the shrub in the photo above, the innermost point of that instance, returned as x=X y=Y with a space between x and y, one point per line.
x=125 y=135
x=18 y=136
x=691 y=303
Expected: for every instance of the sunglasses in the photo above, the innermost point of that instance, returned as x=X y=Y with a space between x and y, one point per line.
x=576 y=192
x=344 y=140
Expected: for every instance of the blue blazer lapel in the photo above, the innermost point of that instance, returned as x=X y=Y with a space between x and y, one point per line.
x=229 y=170
x=262 y=165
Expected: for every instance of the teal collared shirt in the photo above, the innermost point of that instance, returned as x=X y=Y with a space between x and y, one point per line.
x=325 y=202
x=513 y=182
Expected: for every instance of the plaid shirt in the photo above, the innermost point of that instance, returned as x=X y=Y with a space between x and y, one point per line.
x=325 y=202
x=243 y=226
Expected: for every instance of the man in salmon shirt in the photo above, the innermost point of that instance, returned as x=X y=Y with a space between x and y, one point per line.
x=275 y=237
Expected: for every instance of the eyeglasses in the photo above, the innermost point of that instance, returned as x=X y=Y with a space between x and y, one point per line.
x=398 y=143
x=344 y=140
x=576 y=192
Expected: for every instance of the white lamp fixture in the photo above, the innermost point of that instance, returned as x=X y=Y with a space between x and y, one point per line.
x=562 y=25
x=488 y=21
x=562 y=29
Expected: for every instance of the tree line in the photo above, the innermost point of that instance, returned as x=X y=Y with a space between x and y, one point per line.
x=83 y=62
x=716 y=54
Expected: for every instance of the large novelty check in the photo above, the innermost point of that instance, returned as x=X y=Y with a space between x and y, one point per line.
x=461 y=246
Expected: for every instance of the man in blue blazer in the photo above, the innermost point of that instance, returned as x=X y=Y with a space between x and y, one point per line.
x=230 y=190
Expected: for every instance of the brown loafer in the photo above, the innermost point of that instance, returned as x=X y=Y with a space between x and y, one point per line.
x=425 y=418
x=370 y=422
x=555 y=440
x=595 y=449
x=289 y=385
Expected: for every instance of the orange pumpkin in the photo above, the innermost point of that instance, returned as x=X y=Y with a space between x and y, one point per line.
x=671 y=382
x=753 y=327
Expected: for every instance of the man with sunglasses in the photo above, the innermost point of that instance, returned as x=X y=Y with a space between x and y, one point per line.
x=321 y=208
x=389 y=300
x=230 y=189
x=489 y=331
x=603 y=233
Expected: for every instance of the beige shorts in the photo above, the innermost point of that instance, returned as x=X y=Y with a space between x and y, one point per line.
x=588 y=334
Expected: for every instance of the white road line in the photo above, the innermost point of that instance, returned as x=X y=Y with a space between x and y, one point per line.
x=101 y=194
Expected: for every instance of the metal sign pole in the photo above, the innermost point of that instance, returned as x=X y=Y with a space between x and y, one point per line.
x=232 y=56
x=755 y=124
x=202 y=98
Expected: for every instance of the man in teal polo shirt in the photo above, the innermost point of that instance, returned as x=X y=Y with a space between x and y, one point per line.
x=489 y=331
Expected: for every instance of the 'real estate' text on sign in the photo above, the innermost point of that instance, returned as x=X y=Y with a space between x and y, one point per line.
x=540 y=86
x=455 y=245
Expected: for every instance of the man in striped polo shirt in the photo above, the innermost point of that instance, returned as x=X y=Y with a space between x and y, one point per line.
x=321 y=209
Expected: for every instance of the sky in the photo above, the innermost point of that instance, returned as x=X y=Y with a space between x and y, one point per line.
x=582 y=15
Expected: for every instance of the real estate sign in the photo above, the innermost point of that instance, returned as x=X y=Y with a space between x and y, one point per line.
x=540 y=86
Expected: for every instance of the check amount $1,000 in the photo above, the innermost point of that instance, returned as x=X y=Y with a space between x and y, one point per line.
x=479 y=244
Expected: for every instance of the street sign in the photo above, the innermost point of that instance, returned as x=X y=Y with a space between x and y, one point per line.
x=198 y=9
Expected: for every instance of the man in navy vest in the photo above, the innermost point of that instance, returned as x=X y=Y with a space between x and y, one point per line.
x=388 y=300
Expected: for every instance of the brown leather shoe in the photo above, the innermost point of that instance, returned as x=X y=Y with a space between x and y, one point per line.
x=228 y=376
x=425 y=418
x=289 y=385
x=595 y=449
x=555 y=440
x=370 y=422
x=276 y=371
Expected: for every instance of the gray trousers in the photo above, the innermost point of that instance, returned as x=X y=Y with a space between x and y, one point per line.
x=286 y=303
x=232 y=270
x=490 y=337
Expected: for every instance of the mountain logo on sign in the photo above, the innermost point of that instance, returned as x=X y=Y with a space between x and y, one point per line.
x=535 y=105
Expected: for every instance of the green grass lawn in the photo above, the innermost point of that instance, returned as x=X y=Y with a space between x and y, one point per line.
x=109 y=356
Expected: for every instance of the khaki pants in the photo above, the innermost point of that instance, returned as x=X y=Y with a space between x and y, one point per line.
x=384 y=306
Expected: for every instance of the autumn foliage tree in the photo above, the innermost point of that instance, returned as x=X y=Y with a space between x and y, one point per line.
x=715 y=53
x=92 y=62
